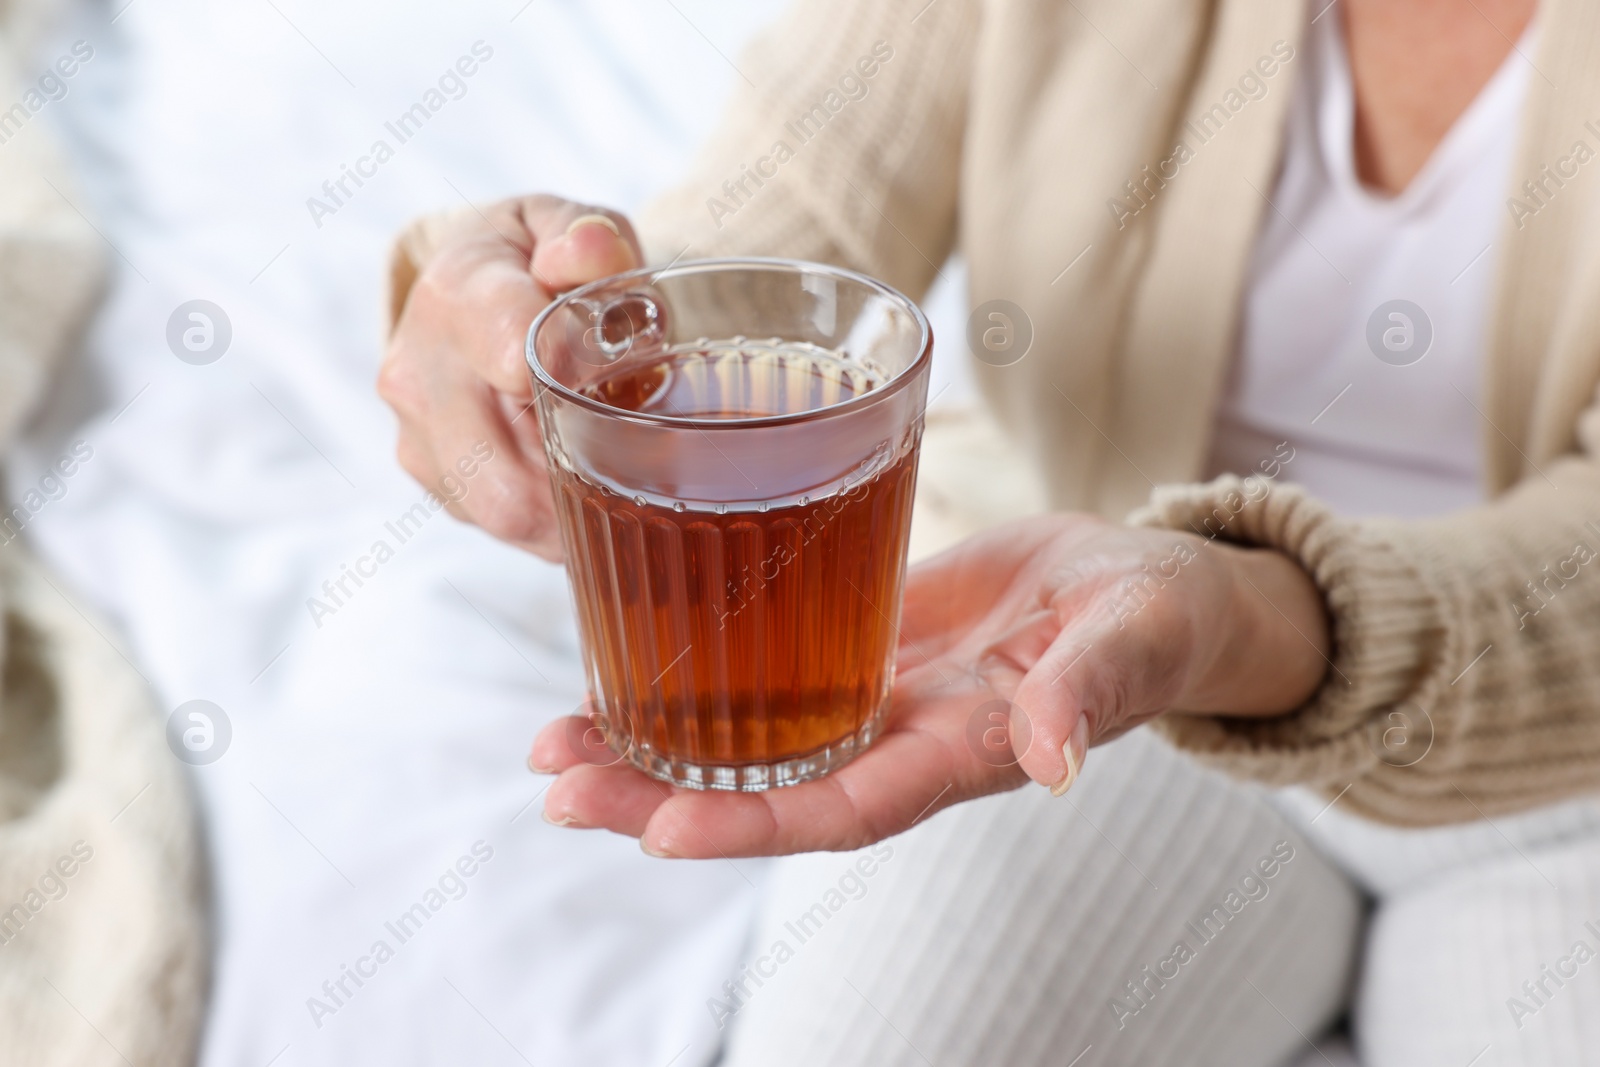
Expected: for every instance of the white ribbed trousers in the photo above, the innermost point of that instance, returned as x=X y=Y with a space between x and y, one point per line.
x=1158 y=914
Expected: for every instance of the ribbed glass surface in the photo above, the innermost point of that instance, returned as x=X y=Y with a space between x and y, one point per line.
x=746 y=647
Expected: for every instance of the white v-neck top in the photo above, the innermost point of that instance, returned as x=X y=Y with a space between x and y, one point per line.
x=1393 y=434
x=1381 y=419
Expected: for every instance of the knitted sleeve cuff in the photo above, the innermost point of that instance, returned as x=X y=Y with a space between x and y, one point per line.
x=1386 y=626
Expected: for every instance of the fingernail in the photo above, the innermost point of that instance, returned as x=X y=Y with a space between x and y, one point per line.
x=660 y=854
x=537 y=769
x=590 y=220
x=565 y=820
x=1073 y=751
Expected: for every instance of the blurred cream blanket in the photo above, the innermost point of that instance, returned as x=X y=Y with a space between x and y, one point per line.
x=102 y=927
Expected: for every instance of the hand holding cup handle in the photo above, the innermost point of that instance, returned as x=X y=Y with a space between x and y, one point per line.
x=454 y=370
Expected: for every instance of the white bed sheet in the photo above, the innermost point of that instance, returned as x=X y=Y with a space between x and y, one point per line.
x=371 y=752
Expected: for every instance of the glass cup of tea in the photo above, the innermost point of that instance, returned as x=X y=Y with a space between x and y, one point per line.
x=733 y=448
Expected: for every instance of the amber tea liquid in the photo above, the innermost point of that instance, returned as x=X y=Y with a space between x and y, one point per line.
x=729 y=636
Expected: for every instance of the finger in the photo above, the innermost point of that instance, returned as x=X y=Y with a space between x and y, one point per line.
x=451 y=423
x=711 y=826
x=576 y=244
x=416 y=457
x=1006 y=660
x=513 y=500
x=478 y=295
x=488 y=299
x=576 y=740
x=554 y=749
x=919 y=767
x=1100 y=677
x=622 y=799
x=521 y=418
x=617 y=798
x=887 y=790
x=509 y=496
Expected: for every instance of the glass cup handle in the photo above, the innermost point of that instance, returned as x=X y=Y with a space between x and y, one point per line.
x=616 y=326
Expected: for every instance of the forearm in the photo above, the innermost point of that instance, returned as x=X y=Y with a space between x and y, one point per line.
x=1437 y=641
x=1272 y=639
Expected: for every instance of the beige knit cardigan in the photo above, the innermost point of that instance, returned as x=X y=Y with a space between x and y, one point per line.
x=1041 y=138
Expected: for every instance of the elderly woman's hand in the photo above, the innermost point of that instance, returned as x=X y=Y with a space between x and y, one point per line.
x=1019 y=649
x=455 y=373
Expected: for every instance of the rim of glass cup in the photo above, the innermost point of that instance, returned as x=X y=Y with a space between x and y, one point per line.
x=699 y=266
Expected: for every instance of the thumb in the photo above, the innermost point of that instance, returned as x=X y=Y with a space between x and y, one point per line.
x=1058 y=715
x=1028 y=666
x=1097 y=679
x=575 y=245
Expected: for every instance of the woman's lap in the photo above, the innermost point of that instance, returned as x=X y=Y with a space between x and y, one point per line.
x=1484 y=965
x=1025 y=929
